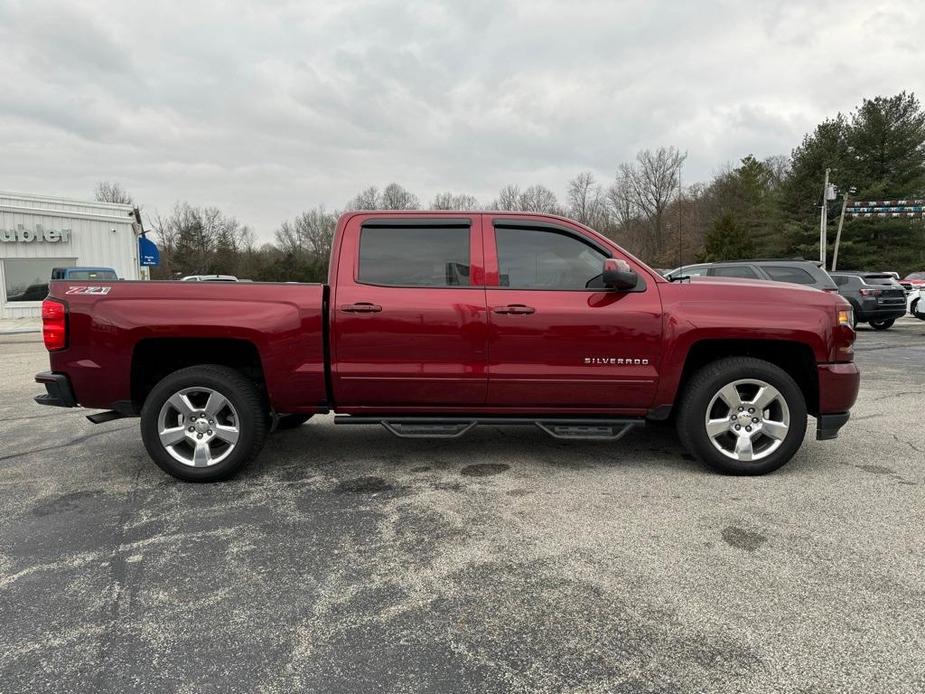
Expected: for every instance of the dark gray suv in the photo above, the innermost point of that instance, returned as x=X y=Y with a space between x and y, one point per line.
x=804 y=272
x=877 y=298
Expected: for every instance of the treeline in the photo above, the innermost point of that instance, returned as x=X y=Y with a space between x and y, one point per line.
x=756 y=208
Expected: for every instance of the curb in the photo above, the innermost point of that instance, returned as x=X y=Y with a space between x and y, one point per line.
x=20 y=331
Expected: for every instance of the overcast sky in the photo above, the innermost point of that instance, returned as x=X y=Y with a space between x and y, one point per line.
x=269 y=108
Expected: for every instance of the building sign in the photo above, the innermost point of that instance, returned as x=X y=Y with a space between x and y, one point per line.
x=37 y=234
x=148 y=254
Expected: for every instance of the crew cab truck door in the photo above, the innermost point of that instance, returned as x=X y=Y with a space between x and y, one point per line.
x=408 y=315
x=558 y=340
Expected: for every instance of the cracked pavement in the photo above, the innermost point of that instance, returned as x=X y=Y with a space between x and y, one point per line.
x=346 y=560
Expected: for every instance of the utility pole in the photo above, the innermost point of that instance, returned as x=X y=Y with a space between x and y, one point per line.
x=680 y=252
x=823 y=218
x=841 y=222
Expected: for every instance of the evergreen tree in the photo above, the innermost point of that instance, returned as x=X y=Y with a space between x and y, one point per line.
x=880 y=151
x=727 y=239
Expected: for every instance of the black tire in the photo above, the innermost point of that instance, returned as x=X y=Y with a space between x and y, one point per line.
x=914 y=307
x=882 y=324
x=707 y=382
x=242 y=394
x=291 y=421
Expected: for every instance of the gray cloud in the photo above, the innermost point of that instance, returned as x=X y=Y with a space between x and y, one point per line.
x=268 y=108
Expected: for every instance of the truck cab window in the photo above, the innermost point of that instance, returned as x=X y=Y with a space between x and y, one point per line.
x=414 y=256
x=789 y=274
x=742 y=271
x=539 y=259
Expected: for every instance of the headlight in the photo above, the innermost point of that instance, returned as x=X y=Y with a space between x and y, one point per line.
x=846 y=317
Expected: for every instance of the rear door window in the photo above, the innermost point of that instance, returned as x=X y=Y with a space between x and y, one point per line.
x=783 y=273
x=414 y=256
x=743 y=271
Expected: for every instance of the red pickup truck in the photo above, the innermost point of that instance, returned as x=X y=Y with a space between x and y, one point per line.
x=434 y=322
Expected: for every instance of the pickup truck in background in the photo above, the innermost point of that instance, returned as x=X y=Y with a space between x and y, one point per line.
x=434 y=322
x=84 y=273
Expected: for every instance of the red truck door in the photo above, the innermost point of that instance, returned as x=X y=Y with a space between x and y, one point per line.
x=408 y=314
x=556 y=341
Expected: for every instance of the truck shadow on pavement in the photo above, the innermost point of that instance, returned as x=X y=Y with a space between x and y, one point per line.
x=485 y=452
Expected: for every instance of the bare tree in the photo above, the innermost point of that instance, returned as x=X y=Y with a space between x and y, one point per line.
x=392 y=197
x=112 y=192
x=779 y=167
x=539 y=198
x=396 y=197
x=449 y=201
x=310 y=233
x=652 y=182
x=621 y=201
x=508 y=199
x=368 y=199
x=586 y=201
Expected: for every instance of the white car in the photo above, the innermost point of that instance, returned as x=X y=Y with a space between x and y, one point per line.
x=916 y=307
x=209 y=278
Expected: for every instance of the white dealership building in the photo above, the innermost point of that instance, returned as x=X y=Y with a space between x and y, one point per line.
x=40 y=232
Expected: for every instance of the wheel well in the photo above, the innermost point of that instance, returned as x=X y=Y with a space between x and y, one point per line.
x=795 y=358
x=155 y=358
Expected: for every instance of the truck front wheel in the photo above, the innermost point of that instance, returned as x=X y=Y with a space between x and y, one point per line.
x=203 y=423
x=742 y=416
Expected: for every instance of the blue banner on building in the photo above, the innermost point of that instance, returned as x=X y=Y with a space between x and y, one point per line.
x=148 y=254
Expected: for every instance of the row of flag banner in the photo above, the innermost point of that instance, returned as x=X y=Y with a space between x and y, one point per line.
x=886 y=208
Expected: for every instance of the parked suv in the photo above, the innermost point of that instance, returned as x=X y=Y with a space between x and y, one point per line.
x=875 y=296
x=797 y=271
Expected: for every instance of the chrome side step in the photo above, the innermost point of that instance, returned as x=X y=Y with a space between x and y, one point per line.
x=454 y=427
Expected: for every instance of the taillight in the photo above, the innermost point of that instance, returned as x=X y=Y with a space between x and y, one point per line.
x=54 y=324
x=830 y=289
x=871 y=292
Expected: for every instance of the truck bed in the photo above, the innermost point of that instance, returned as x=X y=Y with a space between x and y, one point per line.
x=120 y=332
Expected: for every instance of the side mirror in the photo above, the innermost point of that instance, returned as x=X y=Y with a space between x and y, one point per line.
x=618 y=274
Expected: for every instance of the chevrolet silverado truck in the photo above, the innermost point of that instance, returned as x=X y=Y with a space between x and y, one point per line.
x=434 y=322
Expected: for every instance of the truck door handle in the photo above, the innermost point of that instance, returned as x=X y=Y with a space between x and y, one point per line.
x=361 y=307
x=518 y=309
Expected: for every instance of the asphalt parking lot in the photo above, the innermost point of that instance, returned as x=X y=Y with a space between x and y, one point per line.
x=347 y=560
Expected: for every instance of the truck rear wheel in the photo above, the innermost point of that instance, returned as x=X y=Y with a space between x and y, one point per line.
x=203 y=423
x=742 y=416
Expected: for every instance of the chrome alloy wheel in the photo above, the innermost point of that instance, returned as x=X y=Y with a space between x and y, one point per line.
x=198 y=426
x=747 y=420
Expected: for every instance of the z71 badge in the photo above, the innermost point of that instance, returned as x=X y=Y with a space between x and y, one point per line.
x=88 y=290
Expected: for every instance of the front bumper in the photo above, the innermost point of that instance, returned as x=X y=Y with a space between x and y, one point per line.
x=838 y=390
x=827 y=425
x=58 y=390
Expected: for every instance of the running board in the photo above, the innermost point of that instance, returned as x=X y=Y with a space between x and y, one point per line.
x=454 y=427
